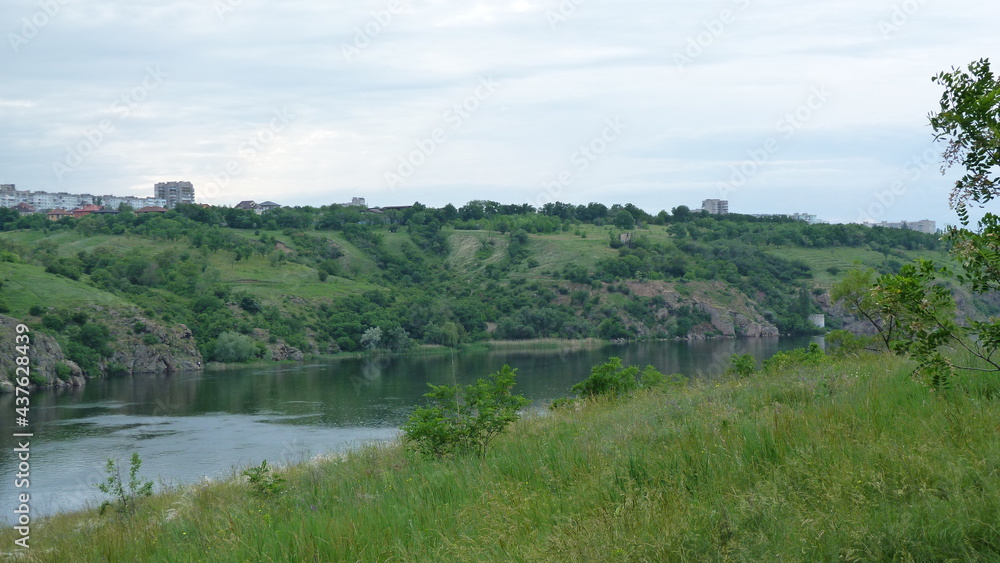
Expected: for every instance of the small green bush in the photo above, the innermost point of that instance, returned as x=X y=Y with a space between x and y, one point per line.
x=63 y=371
x=614 y=378
x=125 y=495
x=464 y=419
x=743 y=365
x=264 y=482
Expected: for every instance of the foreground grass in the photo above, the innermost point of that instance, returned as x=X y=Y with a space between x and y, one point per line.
x=848 y=460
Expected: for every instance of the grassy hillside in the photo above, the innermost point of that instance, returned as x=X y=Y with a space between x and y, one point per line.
x=317 y=280
x=837 y=460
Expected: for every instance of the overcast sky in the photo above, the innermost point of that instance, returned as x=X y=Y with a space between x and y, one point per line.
x=777 y=106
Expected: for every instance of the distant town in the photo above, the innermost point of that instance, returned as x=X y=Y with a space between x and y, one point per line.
x=167 y=195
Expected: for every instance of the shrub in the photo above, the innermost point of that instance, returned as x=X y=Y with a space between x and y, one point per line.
x=232 y=347
x=263 y=482
x=125 y=495
x=614 y=378
x=464 y=419
x=800 y=356
x=743 y=365
x=63 y=371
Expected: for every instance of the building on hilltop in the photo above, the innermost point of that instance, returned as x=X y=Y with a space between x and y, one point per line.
x=151 y=209
x=923 y=226
x=11 y=196
x=57 y=214
x=715 y=206
x=24 y=208
x=174 y=193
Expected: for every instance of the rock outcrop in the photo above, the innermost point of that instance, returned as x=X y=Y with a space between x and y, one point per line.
x=138 y=345
x=44 y=354
x=144 y=346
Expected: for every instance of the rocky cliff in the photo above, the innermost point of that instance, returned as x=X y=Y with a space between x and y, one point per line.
x=138 y=345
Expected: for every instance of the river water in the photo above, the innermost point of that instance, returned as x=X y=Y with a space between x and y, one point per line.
x=190 y=426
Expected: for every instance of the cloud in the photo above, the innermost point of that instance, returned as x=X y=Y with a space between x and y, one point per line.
x=368 y=81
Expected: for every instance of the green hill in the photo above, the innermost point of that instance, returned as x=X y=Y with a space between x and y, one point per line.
x=300 y=281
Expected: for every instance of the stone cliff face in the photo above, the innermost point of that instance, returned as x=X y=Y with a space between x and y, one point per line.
x=145 y=346
x=44 y=353
x=138 y=344
x=731 y=313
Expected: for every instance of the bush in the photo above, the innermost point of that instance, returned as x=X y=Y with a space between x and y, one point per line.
x=263 y=482
x=800 y=356
x=128 y=494
x=614 y=378
x=63 y=371
x=743 y=365
x=232 y=347
x=463 y=420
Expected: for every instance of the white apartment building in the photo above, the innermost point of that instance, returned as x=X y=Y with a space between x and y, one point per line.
x=716 y=206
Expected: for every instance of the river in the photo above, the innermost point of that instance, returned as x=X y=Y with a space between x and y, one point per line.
x=190 y=426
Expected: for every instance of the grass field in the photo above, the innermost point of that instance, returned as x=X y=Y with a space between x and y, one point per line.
x=843 y=259
x=26 y=286
x=845 y=461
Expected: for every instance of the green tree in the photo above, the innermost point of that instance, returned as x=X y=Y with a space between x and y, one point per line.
x=464 y=419
x=855 y=294
x=624 y=220
x=232 y=347
x=922 y=309
x=125 y=494
x=611 y=378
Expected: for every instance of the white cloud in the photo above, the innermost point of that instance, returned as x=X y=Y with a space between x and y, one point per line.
x=559 y=80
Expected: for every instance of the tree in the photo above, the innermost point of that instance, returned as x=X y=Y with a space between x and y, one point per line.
x=624 y=220
x=968 y=122
x=233 y=347
x=465 y=419
x=922 y=309
x=854 y=292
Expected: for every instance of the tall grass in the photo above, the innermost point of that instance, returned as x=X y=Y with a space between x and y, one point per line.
x=850 y=460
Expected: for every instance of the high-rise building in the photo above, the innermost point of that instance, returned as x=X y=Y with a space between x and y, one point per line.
x=174 y=193
x=716 y=206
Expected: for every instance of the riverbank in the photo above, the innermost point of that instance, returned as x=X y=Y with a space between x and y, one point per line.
x=848 y=459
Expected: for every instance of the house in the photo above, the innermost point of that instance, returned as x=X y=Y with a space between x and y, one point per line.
x=85 y=210
x=150 y=209
x=24 y=208
x=57 y=214
x=249 y=205
x=267 y=206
